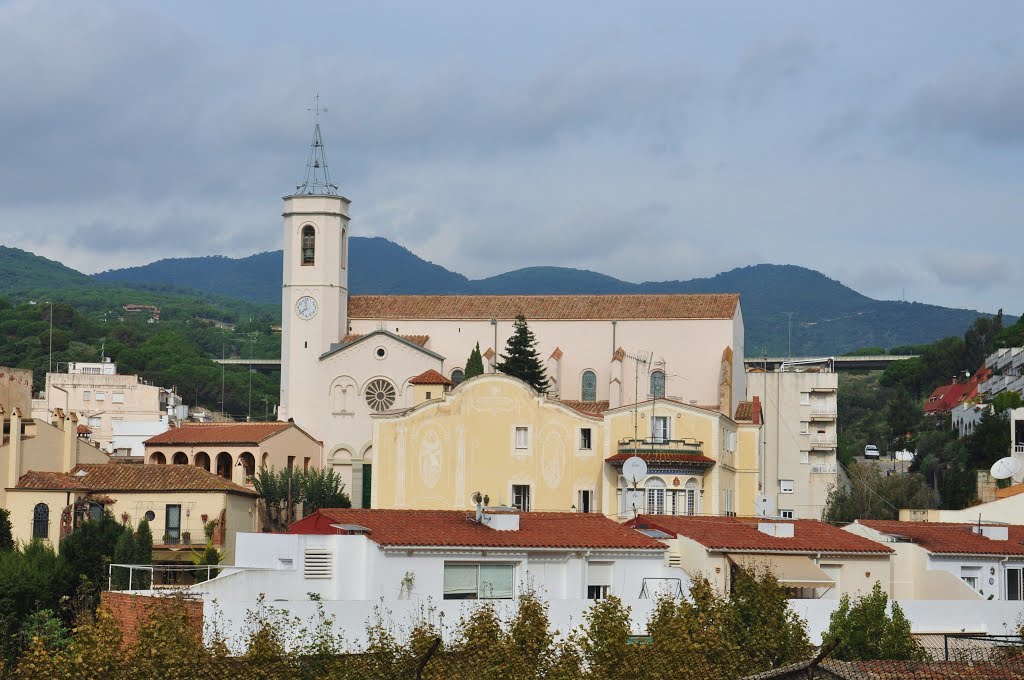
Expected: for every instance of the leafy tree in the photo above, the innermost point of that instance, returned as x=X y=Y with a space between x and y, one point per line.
x=46 y=627
x=1005 y=401
x=323 y=489
x=521 y=360
x=89 y=550
x=6 y=531
x=902 y=416
x=989 y=441
x=866 y=632
x=32 y=577
x=604 y=642
x=281 y=492
x=474 y=364
x=210 y=556
x=872 y=495
x=763 y=625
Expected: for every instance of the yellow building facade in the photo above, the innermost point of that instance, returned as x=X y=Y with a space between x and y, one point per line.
x=495 y=435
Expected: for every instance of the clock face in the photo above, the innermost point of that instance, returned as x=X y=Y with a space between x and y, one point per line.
x=305 y=308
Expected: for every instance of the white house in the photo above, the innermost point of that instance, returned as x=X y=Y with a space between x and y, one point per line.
x=354 y=559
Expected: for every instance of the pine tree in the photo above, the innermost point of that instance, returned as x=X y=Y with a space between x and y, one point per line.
x=521 y=360
x=474 y=364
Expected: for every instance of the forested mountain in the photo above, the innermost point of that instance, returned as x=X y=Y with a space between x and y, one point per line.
x=828 y=317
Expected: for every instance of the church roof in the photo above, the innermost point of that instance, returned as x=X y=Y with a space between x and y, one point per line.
x=420 y=340
x=544 y=307
x=414 y=341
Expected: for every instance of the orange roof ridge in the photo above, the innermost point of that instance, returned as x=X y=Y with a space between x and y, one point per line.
x=430 y=377
x=110 y=477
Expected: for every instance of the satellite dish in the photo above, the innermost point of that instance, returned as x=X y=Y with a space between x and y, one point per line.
x=1004 y=468
x=634 y=469
x=763 y=506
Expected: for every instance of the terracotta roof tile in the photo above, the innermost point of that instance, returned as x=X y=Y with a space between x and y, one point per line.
x=489 y=353
x=420 y=340
x=948 y=538
x=430 y=377
x=590 y=408
x=662 y=457
x=457 y=528
x=741 y=533
x=552 y=307
x=744 y=411
x=219 y=433
x=112 y=477
x=1010 y=491
x=557 y=354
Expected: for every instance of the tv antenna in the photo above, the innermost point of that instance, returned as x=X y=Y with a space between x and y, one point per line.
x=639 y=358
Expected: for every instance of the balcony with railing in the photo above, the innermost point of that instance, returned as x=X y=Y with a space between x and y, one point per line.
x=824 y=441
x=661 y=445
x=823 y=412
x=1018 y=448
x=823 y=469
x=663 y=453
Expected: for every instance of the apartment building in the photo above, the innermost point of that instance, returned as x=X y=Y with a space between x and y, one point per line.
x=798 y=460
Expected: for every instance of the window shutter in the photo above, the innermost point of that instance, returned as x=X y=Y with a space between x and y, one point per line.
x=460 y=579
x=318 y=564
x=599 y=574
x=496 y=581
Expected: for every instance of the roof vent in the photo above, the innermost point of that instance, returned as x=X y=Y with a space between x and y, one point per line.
x=777 y=529
x=81 y=473
x=318 y=564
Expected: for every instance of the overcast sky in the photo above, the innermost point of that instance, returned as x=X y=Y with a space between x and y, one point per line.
x=881 y=143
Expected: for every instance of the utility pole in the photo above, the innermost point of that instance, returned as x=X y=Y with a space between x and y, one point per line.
x=789 y=334
x=50 y=358
x=222 y=371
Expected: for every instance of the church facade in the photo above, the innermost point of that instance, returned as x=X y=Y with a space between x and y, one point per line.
x=347 y=358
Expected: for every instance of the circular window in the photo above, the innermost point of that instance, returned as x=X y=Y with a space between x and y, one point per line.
x=380 y=352
x=380 y=394
x=150 y=515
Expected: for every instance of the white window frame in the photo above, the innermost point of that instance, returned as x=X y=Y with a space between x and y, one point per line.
x=787 y=486
x=101 y=396
x=667 y=436
x=87 y=395
x=117 y=397
x=589 y=442
x=655 y=490
x=518 y=489
x=786 y=514
x=590 y=495
x=521 y=444
x=479 y=565
x=1018 y=577
x=805 y=427
x=805 y=398
x=805 y=457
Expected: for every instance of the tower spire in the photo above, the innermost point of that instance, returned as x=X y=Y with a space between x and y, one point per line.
x=318 y=179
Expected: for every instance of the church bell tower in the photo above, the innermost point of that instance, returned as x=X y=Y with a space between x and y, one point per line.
x=314 y=294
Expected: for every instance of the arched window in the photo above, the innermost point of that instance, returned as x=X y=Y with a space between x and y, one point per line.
x=458 y=375
x=224 y=465
x=308 y=245
x=655 y=488
x=588 y=386
x=657 y=384
x=380 y=394
x=41 y=521
x=203 y=460
x=180 y=458
x=248 y=462
x=690 y=496
x=158 y=458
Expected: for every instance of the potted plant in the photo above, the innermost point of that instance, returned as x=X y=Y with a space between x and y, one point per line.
x=186 y=537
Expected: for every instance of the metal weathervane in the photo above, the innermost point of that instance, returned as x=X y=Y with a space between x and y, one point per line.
x=317 y=181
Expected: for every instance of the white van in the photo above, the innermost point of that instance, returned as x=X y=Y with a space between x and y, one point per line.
x=871 y=451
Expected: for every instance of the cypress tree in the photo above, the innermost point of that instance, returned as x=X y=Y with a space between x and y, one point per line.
x=7 y=533
x=474 y=364
x=521 y=360
x=143 y=555
x=124 y=553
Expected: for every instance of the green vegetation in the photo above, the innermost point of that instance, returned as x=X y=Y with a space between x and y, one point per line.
x=284 y=492
x=873 y=495
x=474 y=364
x=521 y=360
x=864 y=631
x=6 y=531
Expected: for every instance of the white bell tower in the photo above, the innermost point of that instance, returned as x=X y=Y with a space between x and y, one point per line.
x=314 y=295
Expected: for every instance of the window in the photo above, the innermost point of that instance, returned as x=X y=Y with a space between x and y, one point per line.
x=805 y=427
x=655 y=489
x=117 y=397
x=428 y=395
x=380 y=394
x=308 y=245
x=805 y=398
x=585 y=500
x=522 y=437
x=101 y=396
x=585 y=439
x=786 y=514
x=172 y=526
x=521 y=497
x=599 y=580
x=657 y=384
x=1015 y=583
x=588 y=386
x=690 y=495
x=95 y=421
x=458 y=375
x=970 y=576
x=785 y=486
x=87 y=395
x=41 y=521
x=478 y=581
x=660 y=429
x=150 y=515
x=804 y=457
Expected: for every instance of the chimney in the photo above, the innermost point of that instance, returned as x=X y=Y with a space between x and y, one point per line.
x=58 y=418
x=70 y=447
x=756 y=411
x=14 y=456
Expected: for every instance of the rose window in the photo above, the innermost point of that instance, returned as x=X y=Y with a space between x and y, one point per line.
x=380 y=394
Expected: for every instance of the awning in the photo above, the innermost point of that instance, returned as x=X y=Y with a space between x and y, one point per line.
x=794 y=571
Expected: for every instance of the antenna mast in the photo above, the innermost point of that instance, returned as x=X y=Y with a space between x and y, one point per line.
x=317 y=181
x=638 y=358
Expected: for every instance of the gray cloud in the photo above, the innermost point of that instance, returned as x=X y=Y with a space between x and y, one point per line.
x=975 y=270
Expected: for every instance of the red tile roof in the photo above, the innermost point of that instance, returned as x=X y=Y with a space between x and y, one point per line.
x=945 y=398
x=744 y=411
x=457 y=528
x=662 y=457
x=948 y=538
x=551 y=307
x=220 y=433
x=430 y=377
x=112 y=477
x=590 y=408
x=724 y=534
x=84 y=429
x=557 y=354
x=1010 y=491
x=420 y=340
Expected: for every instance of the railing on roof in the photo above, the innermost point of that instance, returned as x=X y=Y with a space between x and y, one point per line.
x=661 y=445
